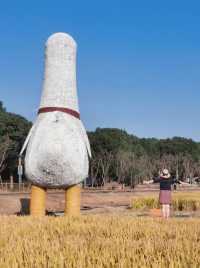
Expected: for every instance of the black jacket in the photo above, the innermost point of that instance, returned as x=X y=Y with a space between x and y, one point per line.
x=165 y=184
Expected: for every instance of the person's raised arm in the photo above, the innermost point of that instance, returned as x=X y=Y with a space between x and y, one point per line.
x=157 y=179
x=184 y=183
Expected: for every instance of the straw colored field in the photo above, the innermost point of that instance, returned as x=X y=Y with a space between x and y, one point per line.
x=94 y=241
x=189 y=201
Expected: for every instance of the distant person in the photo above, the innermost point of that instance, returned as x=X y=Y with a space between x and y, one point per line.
x=165 y=197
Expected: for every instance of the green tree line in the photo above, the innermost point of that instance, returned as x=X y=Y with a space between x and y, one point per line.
x=13 y=131
x=128 y=159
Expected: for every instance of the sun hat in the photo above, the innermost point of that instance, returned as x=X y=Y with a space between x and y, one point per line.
x=165 y=173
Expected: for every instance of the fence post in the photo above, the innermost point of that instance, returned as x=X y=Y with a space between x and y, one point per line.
x=11 y=182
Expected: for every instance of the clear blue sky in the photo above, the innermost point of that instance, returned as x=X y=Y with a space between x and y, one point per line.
x=138 y=61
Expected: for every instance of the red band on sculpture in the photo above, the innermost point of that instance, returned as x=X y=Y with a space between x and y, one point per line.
x=60 y=109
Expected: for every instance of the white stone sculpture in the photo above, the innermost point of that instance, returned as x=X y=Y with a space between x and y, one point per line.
x=57 y=145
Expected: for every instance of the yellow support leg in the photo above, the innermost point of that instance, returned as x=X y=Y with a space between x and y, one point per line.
x=73 y=200
x=38 y=201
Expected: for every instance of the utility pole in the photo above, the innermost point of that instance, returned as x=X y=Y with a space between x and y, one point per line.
x=177 y=167
x=20 y=171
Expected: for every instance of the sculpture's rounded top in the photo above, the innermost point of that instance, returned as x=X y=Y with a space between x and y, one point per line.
x=61 y=38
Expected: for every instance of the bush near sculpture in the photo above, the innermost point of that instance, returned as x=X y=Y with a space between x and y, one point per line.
x=180 y=202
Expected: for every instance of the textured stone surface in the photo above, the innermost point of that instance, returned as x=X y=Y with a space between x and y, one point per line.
x=58 y=147
x=59 y=89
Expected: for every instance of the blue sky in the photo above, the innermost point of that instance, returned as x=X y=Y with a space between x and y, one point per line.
x=138 y=61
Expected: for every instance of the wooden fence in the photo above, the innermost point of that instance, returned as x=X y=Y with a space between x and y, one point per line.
x=15 y=187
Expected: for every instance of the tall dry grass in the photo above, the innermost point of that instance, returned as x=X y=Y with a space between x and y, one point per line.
x=98 y=241
x=189 y=201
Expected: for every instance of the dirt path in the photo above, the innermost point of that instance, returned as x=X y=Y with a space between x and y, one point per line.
x=95 y=202
x=91 y=202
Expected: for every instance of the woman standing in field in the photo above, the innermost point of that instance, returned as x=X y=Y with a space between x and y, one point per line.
x=165 y=196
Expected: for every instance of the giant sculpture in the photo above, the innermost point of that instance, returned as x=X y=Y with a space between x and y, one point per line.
x=57 y=146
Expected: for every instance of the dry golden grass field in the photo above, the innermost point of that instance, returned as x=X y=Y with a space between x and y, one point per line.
x=108 y=234
x=99 y=241
x=181 y=201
